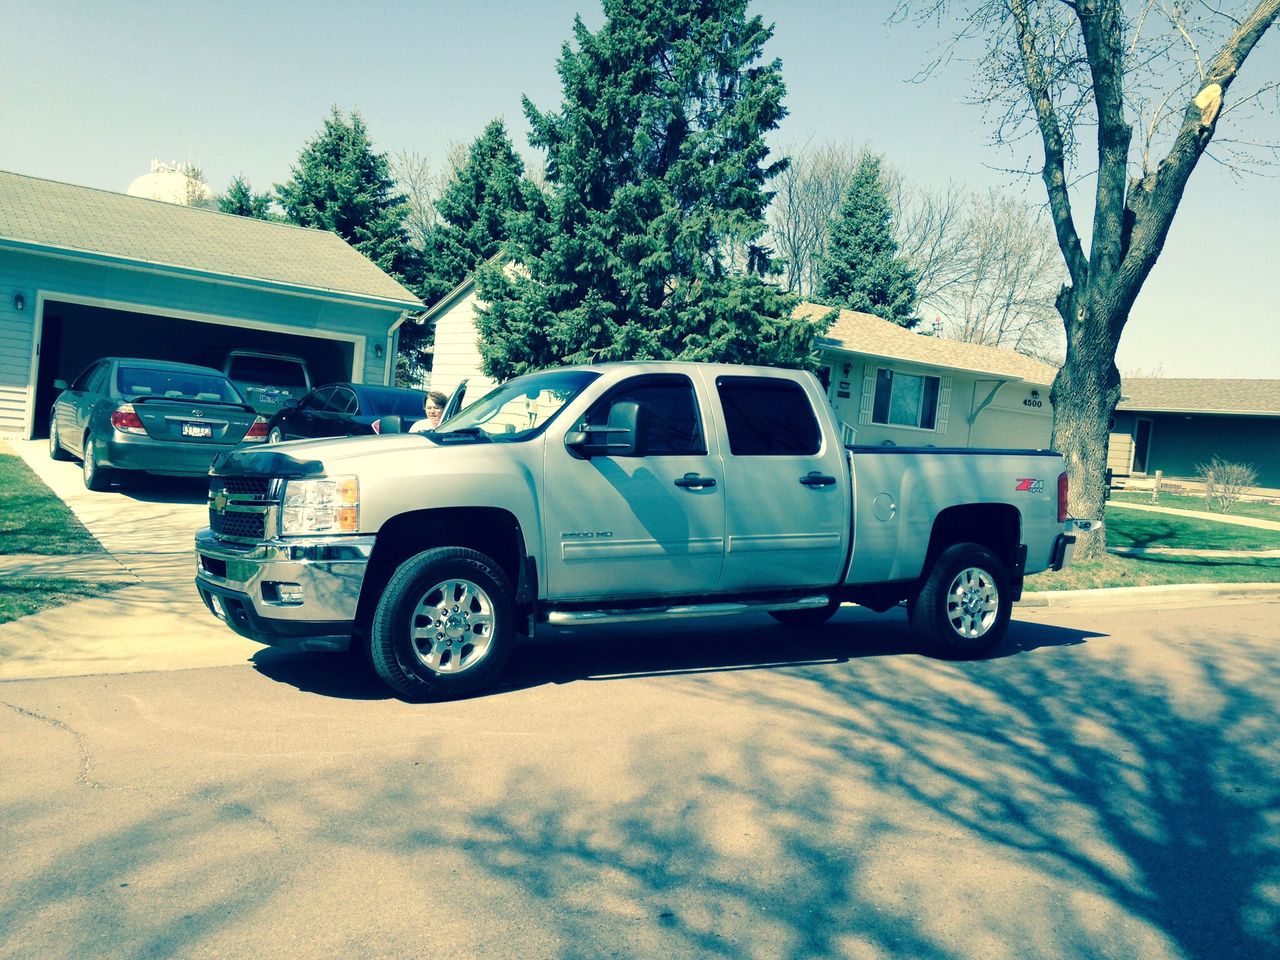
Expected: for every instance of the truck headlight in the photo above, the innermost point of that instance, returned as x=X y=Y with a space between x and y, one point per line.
x=331 y=505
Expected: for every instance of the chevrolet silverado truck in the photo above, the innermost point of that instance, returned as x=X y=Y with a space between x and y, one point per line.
x=612 y=492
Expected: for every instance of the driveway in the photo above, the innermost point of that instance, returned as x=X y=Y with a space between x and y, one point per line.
x=159 y=623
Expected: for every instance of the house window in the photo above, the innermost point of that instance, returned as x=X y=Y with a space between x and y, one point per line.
x=905 y=400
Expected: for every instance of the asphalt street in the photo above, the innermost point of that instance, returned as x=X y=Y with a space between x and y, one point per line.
x=1105 y=786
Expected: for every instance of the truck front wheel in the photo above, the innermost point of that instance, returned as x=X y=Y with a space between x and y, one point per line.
x=964 y=607
x=444 y=625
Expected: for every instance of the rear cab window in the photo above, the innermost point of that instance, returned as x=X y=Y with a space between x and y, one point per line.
x=270 y=371
x=768 y=417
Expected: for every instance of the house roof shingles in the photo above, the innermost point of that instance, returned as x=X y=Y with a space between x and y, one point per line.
x=867 y=334
x=71 y=219
x=1184 y=395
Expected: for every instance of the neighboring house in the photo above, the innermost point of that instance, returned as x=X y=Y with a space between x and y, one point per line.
x=87 y=273
x=891 y=386
x=1173 y=425
x=887 y=384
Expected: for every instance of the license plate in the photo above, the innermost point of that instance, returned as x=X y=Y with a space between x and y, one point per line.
x=197 y=430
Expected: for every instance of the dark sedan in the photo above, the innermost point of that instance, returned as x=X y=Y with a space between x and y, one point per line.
x=149 y=415
x=345 y=410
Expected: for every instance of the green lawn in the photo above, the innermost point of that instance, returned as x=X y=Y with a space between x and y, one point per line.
x=32 y=518
x=1188 y=501
x=1140 y=528
x=1113 y=571
x=22 y=596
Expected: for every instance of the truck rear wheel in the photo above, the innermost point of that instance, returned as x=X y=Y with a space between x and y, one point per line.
x=444 y=625
x=964 y=607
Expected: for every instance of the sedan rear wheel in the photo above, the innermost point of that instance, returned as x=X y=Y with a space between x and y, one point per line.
x=96 y=477
x=275 y=436
x=55 y=445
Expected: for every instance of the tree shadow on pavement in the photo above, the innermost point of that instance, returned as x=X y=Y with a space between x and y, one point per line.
x=1050 y=806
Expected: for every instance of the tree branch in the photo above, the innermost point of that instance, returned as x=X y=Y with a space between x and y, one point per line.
x=1102 y=27
x=1054 y=171
x=1154 y=199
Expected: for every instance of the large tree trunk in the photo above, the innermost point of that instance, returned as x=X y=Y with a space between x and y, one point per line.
x=1083 y=404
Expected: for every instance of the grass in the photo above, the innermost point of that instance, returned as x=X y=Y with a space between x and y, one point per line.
x=1191 y=501
x=32 y=518
x=1113 y=571
x=1134 y=528
x=23 y=596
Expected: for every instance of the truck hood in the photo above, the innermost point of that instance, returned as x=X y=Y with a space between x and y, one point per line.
x=313 y=458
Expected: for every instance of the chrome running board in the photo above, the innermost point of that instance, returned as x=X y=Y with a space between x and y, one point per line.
x=564 y=618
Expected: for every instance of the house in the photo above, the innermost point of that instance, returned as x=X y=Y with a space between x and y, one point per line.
x=86 y=273
x=892 y=386
x=1173 y=425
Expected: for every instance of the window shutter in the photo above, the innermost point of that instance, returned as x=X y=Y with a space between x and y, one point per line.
x=868 y=394
x=944 y=405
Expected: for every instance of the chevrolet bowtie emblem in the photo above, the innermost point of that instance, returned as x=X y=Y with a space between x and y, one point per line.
x=220 y=501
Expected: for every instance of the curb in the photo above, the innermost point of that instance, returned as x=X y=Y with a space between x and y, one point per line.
x=1144 y=596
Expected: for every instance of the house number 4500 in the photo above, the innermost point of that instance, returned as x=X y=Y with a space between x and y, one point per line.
x=1031 y=402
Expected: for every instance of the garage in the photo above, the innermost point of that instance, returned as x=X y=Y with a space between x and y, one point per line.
x=87 y=273
x=73 y=335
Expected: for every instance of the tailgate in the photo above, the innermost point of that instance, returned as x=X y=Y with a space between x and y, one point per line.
x=194 y=421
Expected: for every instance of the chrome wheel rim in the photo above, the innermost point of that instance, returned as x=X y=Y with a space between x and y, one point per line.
x=276 y=436
x=89 y=465
x=973 y=602
x=53 y=436
x=451 y=629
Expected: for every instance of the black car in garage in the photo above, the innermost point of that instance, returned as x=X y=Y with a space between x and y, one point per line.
x=149 y=415
x=346 y=409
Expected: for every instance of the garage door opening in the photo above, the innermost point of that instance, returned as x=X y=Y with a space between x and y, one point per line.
x=74 y=335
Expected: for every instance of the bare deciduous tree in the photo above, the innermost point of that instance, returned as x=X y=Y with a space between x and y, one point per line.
x=807 y=196
x=1081 y=71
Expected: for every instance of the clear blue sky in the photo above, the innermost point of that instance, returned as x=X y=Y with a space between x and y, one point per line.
x=90 y=92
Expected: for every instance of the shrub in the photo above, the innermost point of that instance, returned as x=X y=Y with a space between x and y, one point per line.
x=1225 y=482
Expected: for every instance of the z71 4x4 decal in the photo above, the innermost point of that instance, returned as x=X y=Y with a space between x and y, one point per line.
x=1029 y=485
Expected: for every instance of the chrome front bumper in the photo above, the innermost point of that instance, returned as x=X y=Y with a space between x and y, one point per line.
x=300 y=593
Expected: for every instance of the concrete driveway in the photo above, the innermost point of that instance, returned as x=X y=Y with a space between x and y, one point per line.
x=158 y=623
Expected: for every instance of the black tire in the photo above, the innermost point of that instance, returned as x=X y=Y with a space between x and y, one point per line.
x=809 y=617
x=472 y=600
x=275 y=436
x=56 y=452
x=962 y=611
x=96 y=476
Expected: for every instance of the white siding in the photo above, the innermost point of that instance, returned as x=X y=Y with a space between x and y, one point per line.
x=456 y=356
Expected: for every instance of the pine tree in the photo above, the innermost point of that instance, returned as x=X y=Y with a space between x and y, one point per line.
x=861 y=269
x=486 y=190
x=656 y=173
x=341 y=184
x=243 y=202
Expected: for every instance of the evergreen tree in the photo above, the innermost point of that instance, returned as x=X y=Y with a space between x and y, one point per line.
x=861 y=269
x=243 y=202
x=656 y=168
x=341 y=184
x=487 y=188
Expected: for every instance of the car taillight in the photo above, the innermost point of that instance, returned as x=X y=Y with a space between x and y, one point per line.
x=1063 y=514
x=125 y=419
x=377 y=425
x=257 y=430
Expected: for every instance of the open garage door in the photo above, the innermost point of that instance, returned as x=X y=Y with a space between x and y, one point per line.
x=73 y=335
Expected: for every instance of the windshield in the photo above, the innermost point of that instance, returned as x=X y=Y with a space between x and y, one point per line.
x=516 y=410
x=175 y=384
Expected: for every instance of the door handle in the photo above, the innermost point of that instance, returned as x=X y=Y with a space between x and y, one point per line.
x=691 y=481
x=815 y=479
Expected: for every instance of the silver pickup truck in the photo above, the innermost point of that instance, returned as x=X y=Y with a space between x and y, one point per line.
x=629 y=491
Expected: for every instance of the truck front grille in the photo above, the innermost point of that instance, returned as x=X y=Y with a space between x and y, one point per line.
x=239 y=525
x=253 y=488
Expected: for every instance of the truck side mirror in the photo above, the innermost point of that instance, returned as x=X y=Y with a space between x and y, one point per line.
x=392 y=423
x=59 y=384
x=620 y=437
